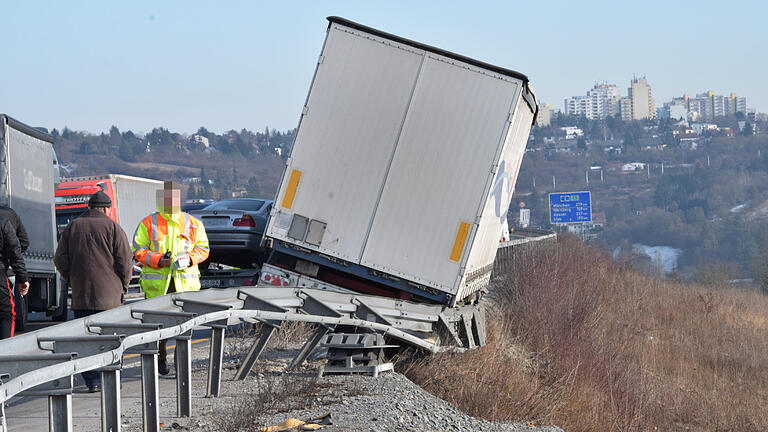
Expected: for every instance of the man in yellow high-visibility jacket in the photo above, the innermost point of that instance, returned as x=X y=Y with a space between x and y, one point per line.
x=169 y=245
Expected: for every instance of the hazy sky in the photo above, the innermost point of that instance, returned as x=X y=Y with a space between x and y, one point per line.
x=232 y=65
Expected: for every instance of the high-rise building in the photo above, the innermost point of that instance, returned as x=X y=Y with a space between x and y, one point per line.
x=718 y=105
x=625 y=109
x=544 y=117
x=643 y=106
x=708 y=105
x=734 y=104
x=699 y=107
x=600 y=102
x=578 y=106
x=674 y=109
x=605 y=99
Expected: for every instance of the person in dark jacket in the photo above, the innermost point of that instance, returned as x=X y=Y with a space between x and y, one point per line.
x=11 y=256
x=95 y=259
x=21 y=232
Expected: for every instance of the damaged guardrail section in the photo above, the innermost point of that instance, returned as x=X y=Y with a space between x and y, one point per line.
x=45 y=361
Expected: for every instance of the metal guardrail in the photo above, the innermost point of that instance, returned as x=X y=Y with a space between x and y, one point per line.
x=520 y=239
x=45 y=361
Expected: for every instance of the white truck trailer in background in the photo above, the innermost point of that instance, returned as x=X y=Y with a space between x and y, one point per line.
x=402 y=170
x=27 y=182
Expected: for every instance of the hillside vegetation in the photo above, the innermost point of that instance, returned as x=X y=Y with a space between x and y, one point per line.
x=587 y=344
x=708 y=200
x=210 y=165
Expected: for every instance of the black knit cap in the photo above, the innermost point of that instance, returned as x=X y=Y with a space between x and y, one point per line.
x=99 y=199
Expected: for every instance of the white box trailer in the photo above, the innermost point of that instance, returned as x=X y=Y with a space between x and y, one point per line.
x=27 y=182
x=136 y=198
x=404 y=163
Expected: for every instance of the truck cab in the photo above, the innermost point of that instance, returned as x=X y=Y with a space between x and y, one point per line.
x=72 y=199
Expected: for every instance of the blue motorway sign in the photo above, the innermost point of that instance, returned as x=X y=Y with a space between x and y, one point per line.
x=570 y=207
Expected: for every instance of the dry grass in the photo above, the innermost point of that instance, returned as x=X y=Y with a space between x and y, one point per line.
x=582 y=342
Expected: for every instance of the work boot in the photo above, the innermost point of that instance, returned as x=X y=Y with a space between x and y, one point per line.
x=162 y=367
x=162 y=359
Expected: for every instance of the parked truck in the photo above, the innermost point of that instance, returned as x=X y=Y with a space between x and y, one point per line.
x=133 y=198
x=401 y=172
x=27 y=182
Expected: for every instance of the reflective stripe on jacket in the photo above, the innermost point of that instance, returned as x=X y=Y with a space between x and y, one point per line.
x=180 y=234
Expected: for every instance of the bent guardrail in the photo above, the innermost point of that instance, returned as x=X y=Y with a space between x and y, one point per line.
x=44 y=361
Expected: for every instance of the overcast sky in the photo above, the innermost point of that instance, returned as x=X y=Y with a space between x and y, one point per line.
x=232 y=65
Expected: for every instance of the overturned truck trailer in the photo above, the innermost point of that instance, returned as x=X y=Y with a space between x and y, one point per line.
x=402 y=171
x=387 y=220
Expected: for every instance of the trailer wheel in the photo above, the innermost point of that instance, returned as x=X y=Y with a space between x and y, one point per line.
x=20 y=306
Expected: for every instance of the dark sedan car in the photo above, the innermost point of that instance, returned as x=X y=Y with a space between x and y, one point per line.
x=197 y=204
x=235 y=228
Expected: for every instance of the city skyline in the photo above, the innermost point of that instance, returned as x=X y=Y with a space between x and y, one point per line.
x=183 y=65
x=605 y=99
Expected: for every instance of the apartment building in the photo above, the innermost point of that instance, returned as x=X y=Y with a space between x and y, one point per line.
x=643 y=106
x=600 y=102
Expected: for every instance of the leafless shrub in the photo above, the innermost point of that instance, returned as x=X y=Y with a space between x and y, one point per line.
x=239 y=340
x=290 y=334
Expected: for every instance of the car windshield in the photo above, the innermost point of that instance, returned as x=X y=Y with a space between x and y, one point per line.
x=248 y=205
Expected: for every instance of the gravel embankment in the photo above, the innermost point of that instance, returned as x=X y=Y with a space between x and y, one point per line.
x=270 y=396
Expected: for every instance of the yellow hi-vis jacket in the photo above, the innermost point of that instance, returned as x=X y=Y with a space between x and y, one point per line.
x=180 y=234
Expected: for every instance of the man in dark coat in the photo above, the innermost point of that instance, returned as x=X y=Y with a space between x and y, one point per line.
x=21 y=232
x=95 y=259
x=11 y=256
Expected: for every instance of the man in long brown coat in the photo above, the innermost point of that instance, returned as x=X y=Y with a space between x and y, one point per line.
x=95 y=259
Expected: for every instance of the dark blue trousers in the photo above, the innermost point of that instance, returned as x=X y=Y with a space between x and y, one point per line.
x=92 y=378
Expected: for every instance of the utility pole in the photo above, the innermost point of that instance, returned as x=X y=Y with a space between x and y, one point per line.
x=649 y=169
x=534 y=182
x=554 y=185
x=707 y=161
x=662 y=167
x=586 y=174
x=601 y=175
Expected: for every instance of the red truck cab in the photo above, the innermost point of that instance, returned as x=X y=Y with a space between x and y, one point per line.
x=72 y=199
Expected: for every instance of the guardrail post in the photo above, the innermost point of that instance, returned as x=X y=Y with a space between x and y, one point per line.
x=60 y=413
x=217 y=337
x=183 y=362
x=214 y=361
x=110 y=400
x=149 y=393
x=256 y=349
x=308 y=346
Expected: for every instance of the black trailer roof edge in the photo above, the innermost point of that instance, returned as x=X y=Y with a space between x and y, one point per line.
x=27 y=129
x=530 y=100
x=419 y=45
